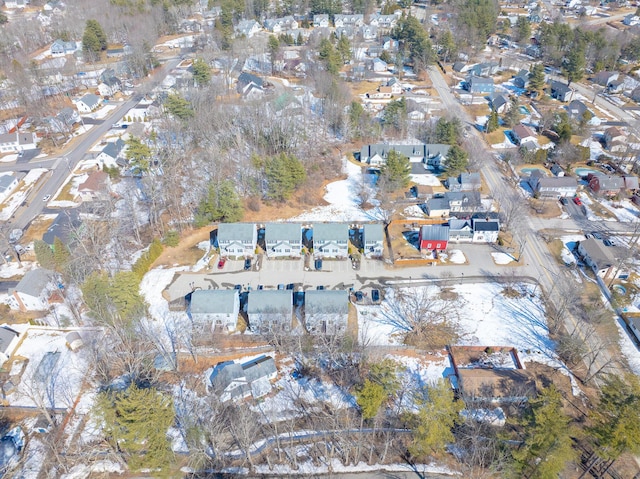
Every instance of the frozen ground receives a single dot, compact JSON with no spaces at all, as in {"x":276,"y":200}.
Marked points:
{"x":502,"y":258}
{"x":342,"y":197}
{"x":427,"y":179}
{"x":16,"y":199}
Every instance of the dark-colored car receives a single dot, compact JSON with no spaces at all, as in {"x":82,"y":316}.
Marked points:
{"x":238,"y":287}
{"x":564,"y":201}
{"x":221,"y":263}
{"x":375,"y":295}
{"x":261,"y":286}
{"x":607,"y":243}
{"x":318,"y":264}
{"x":281,"y":286}
{"x":597,"y":235}
{"x":247,"y":264}
{"x":320,"y":288}
{"x":290,"y":286}
{"x":359,"y":296}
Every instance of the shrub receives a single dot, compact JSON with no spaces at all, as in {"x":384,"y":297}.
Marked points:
{"x":172,"y":238}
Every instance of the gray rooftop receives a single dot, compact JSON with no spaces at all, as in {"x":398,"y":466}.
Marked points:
{"x":270,"y":302}
{"x":476,"y":79}
{"x":326,"y":302}
{"x":373,"y":232}
{"x":416,"y":150}
{"x":485,"y":225}
{"x":34,"y":281}
{"x":90,"y":99}
{"x":457,"y":225}
{"x":224,"y":374}
{"x":236,"y":232}
{"x":438,"y":204}
{"x":330,"y":232}
{"x":113,"y":148}
{"x":435,"y":232}
{"x":6,"y":181}
{"x":258,"y":368}
{"x":598,"y":252}
{"x":274,"y":232}
{"x":6,"y":336}
{"x":215,"y":301}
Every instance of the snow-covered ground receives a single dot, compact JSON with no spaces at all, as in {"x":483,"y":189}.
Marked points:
{"x":343,"y":199}
{"x":16,"y":199}
{"x":502,"y":258}
{"x":624,"y":210}
{"x":426,"y":179}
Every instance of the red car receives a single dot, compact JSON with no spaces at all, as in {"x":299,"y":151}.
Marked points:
{"x":221,"y":263}
{"x":577,"y":201}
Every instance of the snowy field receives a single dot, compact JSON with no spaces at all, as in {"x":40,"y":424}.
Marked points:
{"x":342,"y":196}
{"x":52,"y":375}
{"x":16,"y":199}
{"x":427,"y":179}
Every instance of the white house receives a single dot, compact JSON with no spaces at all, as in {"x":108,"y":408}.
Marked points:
{"x":61,"y":48}
{"x":356,"y":20}
{"x":597,"y":256}
{"x":237,"y":239}
{"x":331,"y":240}
{"x":485,"y":230}
{"x":32,"y":292}
{"x":373,"y":240}
{"x":248,"y":28}
{"x":111,"y":152}
{"x":283,"y":239}
{"x":17,"y":142}
{"x":326,"y":311}
{"x":109,"y":86}
{"x":96,"y":187}
{"x":87,"y":103}
{"x":321,"y":20}
{"x":215,"y":309}
{"x":270,"y":310}
{"x":8,"y":183}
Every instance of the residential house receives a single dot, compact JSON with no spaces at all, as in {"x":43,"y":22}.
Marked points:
{"x":460,"y":67}
{"x":577,"y":110}
{"x":604,"y":78}
{"x":460,"y":231}
{"x":18,"y":142}
{"x":249,"y":85}
{"x":231,"y":381}
{"x":521,"y":80}
{"x":552,"y":187}
{"x":215,"y":309}
{"x":631,"y":183}
{"x":326,"y":311}
{"x":247,"y":28}
{"x":8,"y":183}
{"x":283,"y":239}
{"x":331,"y":240}
{"x":111,"y":153}
{"x":499,"y":102}
{"x":631,"y":20}
{"x":64,"y":227}
{"x":597,"y":256}
{"x":634,"y":325}
{"x":68,"y":116}
{"x":373,"y":240}
{"x":464,"y":182}
{"x":13,"y":4}
{"x":477,"y":84}
{"x":484,"y":69}
{"x":605,"y":185}
{"x":270,"y":310}
{"x":424,"y":192}
{"x":556,"y":170}
{"x":119,"y":52}
{"x":62,"y":48}
{"x":427,"y":154}
{"x":523,"y":134}
{"x":635,"y":95}
{"x":237,"y":239}
{"x":378,"y":65}
{"x":394,"y":84}
{"x":55,"y":6}
{"x":615,"y":139}
{"x":383,"y":21}
{"x":433,"y":237}
{"x":560,"y":91}
{"x":463,"y":201}
{"x":96,"y":187}
{"x":277,"y":25}
{"x":109,"y":86}
{"x":356,"y":20}
{"x":485,"y":230}
{"x":33,"y":290}
{"x":321,"y":20}
{"x":534,"y":51}
{"x":367,"y":32}
{"x":9,"y":339}
{"x":437,"y":207}
{"x":88,"y":103}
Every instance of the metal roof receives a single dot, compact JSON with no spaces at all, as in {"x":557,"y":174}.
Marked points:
{"x":326,"y":302}
{"x":434,"y":232}
{"x":236,"y":232}
{"x":330,"y":232}
{"x":274,"y":232}
{"x":373,"y":232}
{"x":270,"y":302}
{"x":215,"y":301}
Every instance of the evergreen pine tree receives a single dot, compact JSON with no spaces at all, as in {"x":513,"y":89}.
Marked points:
{"x":44,"y":254}
{"x":493,"y":123}
{"x":201,"y":72}
{"x":457,"y":161}
{"x":396,"y":172}
{"x":536,"y":78}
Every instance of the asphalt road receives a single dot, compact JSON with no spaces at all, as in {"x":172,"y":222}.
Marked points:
{"x":61,"y":167}
{"x":539,"y":262}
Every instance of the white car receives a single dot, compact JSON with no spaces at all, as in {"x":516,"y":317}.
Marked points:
{"x":46,"y":197}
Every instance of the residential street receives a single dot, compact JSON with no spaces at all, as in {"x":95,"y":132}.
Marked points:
{"x":535,"y":251}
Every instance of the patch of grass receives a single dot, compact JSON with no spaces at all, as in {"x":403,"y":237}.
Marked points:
{"x":495,"y":136}
{"x":555,"y":247}
{"x":65,"y":193}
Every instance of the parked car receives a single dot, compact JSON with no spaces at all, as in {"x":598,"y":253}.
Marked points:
{"x":318,"y":264}
{"x":290,"y":286}
{"x":238,"y":287}
{"x":261,"y":286}
{"x":359,"y":296}
{"x":607,"y":243}
{"x":577,"y":201}
{"x":281,"y":286}
{"x":375,"y":295}
{"x":564,"y":201}
{"x":222,"y":262}
{"x":320,"y":288}
{"x":597,"y":235}
{"x":247,"y":264}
